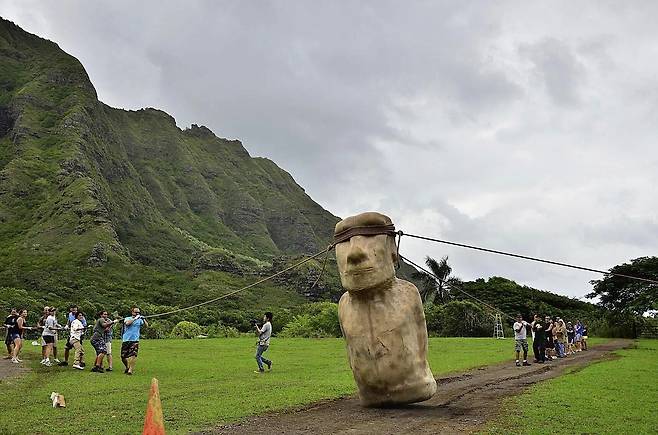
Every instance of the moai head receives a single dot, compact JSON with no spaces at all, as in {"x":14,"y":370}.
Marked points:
{"x":365,"y":251}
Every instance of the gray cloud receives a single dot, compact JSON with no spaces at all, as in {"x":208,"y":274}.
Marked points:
{"x":508,"y":125}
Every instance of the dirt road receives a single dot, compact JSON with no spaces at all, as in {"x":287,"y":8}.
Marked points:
{"x":10,"y":370}
{"x":463,"y":403}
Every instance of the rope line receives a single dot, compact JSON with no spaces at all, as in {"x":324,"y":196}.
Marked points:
{"x":491,"y":307}
{"x":260,"y":281}
{"x":525,"y":257}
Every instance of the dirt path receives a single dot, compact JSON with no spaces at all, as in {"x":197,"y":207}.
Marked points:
{"x":463,"y":403}
{"x":10,"y":370}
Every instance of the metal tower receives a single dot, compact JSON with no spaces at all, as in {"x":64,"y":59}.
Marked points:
{"x":498,"y":327}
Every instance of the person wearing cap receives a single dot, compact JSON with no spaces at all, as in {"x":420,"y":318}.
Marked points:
{"x":381,"y":316}
{"x":130,"y":339}
{"x":520,"y":339}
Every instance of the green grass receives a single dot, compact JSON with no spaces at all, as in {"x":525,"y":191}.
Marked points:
{"x":204,"y":383}
{"x":616,"y":396}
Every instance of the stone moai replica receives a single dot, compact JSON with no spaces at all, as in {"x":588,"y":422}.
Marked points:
{"x":381,"y":316}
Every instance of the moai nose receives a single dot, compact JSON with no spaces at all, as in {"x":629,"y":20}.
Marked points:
{"x":356,"y":254}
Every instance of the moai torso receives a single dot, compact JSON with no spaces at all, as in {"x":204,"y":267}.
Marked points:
{"x":387,"y":344}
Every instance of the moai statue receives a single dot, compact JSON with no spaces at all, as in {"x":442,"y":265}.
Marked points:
{"x":381,"y":317}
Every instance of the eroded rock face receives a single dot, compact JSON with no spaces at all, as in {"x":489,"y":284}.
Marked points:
{"x":381,"y":317}
{"x":6,"y":121}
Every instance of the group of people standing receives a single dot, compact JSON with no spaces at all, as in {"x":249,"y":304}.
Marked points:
{"x":552,"y":338}
{"x":76,"y":327}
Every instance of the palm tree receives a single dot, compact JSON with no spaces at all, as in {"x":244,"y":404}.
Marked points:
{"x":437,"y":288}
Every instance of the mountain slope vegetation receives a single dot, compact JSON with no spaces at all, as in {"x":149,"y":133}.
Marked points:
{"x":100,"y":203}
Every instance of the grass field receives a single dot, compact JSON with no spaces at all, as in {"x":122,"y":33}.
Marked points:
{"x":203,"y":383}
{"x":616,"y":396}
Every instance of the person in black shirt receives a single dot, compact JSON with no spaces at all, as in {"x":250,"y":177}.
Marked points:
{"x":10,"y":324}
{"x":548,"y":342}
{"x":571,"y":335}
{"x":538,"y":343}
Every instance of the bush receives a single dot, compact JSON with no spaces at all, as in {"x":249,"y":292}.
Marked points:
{"x":222,"y":331}
{"x":434,"y":319}
{"x":319,"y":319}
{"x":156,"y":329}
{"x":186,"y":329}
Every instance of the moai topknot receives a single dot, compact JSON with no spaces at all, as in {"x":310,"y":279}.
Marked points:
{"x":381,"y":316}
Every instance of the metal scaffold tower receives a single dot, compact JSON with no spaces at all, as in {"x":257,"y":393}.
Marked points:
{"x":498,"y":327}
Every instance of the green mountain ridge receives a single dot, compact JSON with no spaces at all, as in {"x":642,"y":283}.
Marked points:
{"x":84,"y":185}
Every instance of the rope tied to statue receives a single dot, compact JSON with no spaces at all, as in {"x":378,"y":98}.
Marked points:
{"x":370,"y":230}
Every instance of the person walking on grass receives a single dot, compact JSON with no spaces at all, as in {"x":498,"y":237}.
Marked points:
{"x":98,"y":340}
{"x":77,"y":330}
{"x":10,"y":324}
{"x":49,"y":336}
{"x":263,"y":344}
{"x":17,"y":333}
{"x":538,"y":342}
{"x":130,"y":339}
{"x":520,"y":340}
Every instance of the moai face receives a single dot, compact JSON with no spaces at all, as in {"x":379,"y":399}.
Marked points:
{"x":366,"y":260}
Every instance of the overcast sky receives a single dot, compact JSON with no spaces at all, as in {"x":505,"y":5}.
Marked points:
{"x":523,"y":127}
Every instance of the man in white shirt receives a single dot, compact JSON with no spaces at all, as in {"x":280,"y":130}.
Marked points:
{"x":77,"y":329}
{"x":264,"y":335}
{"x":520,"y":340}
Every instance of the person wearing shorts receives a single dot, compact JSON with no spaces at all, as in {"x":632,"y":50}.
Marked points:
{"x":584,"y":338}
{"x":16,"y":335}
{"x":98,"y":340}
{"x":40,"y":325}
{"x":520,"y":340}
{"x":49,"y":335}
{"x":10,"y":323}
{"x":130,"y":339}
{"x":107,"y":336}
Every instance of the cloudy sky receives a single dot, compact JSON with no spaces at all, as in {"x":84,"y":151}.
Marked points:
{"x":523,"y":127}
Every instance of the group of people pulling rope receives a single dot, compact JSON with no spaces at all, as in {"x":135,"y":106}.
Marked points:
{"x":76,"y":327}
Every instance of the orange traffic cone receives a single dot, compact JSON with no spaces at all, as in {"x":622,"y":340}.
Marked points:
{"x":154,"y":421}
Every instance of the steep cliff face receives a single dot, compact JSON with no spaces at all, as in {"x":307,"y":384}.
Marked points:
{"x":84,"y":186}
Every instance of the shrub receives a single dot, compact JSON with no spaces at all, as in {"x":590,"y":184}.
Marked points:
{"x":186,"y":329}
{"x":319,"y":319}
{"x":156,"y":329}
{"x":434,"y":319}
{"x":222,"y":331}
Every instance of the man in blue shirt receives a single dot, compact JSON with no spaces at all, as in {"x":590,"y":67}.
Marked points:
{"x":130,"y":339}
